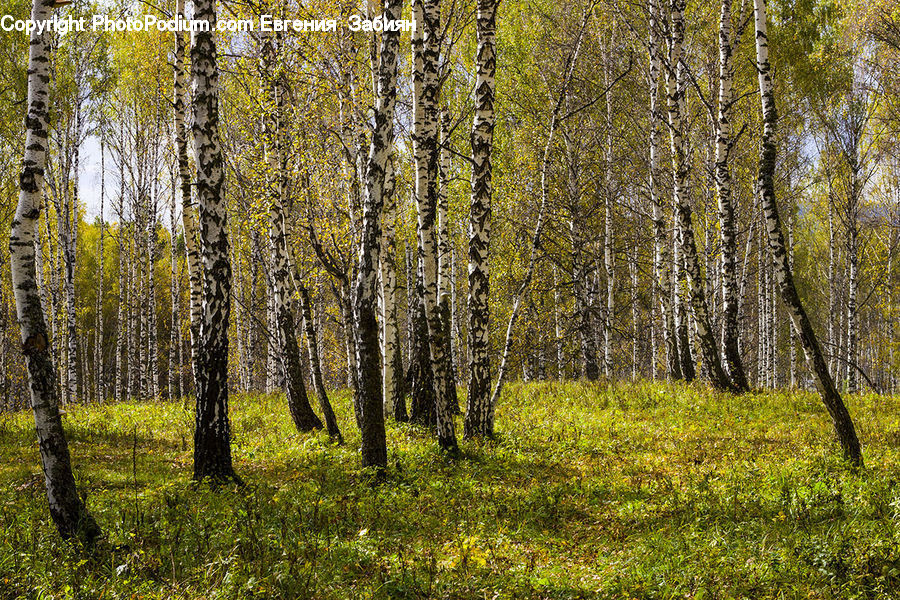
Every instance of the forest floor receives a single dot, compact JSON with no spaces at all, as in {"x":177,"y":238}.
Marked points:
{"x":589,"y":491}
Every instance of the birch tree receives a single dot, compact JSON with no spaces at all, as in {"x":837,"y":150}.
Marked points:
{"x":315,"y":366}
{"x":282,"y":280}
{"x":729,"y":38}
{"x":212,"y":436}
{"x":369,"y":385}
{"x":67,"y":509}
{"x":188,"y":208}
{"x":662,"y":265}
{"x":391,"y":361}
{"x":99,"y":371}
{"x":840,"y":417}
{"x":675,"y":100}
{"x":444,"y":257}
{"x":425,"y":139}
{"x":479,"y":419}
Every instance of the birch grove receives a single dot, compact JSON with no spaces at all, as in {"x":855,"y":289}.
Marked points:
{"x":401,"y":232}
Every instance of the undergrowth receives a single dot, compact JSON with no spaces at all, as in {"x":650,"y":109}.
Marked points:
{"x":588,"y":491}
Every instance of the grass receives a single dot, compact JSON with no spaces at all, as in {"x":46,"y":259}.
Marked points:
{"x":589,"y":491}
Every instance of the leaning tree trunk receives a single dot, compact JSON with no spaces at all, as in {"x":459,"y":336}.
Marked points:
{"x":675,"y":92}
{"x":212,"y":436}
{"x":840,"y":417}
{"x":479,"y":420}
{"x":427,"y":157}
{"x":368,"y":362}
{"x":281,"y":278}
{"x":728,"y":42}
{"x":188,"y":208}
{"x":66,"y":507}
{"x":315,"y":366}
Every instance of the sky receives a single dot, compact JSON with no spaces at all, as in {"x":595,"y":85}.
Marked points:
{"x":89,"y":180}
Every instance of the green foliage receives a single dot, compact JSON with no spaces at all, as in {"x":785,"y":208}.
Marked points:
{"x":626,"y":491}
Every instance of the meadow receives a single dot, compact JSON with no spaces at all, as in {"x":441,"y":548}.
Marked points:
{"x":644,"y":490}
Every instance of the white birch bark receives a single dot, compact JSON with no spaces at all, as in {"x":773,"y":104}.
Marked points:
{"x":188,"y":207}
{"x":843,"y":424}
{"x":391,"y":361}
{"x":728,"y":43}
{"x":99,"y":371}
{"x":662,"y":265}
{"x":315,"y":366}
{"x":212,"y":437}
{"x":66,"y":507}
{"x":427,"y":155}
{"x":608,"y":257}
{"x":282,"y":279}
{"x":675,"y":96}
{"x":369,"y":385}
{"x":479,"y":420}
{"x":444,"y":258}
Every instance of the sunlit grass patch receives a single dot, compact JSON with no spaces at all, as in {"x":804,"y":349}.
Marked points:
{"x":589,"y":490}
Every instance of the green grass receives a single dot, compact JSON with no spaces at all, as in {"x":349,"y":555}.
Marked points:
{"x":627,"y":491}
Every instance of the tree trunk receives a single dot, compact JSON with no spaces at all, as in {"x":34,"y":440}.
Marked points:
{"x":421,"y":376}
{"x":133,"y":350}
{"x":676,"y":89}
{"x":368,"y":360}
{"x":121,"y":362}
{"x":832,"y":344}
{"x":682,"y":335}
{"x":608,"y":256}
{"x":853,"y":274}
{"x":425,"y":139}
{"x":392,"y":360}
{"x":67,"y":225}
{"x":792,"y":337}
{"x":188,"y":208}
{"x":212,"y":436}
{"x":728,"y":43}
{"x":840,"y":417}
{"x":582,"y":273}
{"x":315,"y":366}
{"x":150,"y":308}
{"x":444,"y":258}
{"x":479,"y":420}
{"x":273,"y":345}
{"x":282,"y":280}
{"x":66,"y":507}
{"x":635,"y":325}
{"x":662,"y":266}
{"x":99,"y":372}
{"x":175,"y":321}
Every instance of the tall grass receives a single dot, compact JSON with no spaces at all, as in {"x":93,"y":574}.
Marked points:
{"x":589,"y":491}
